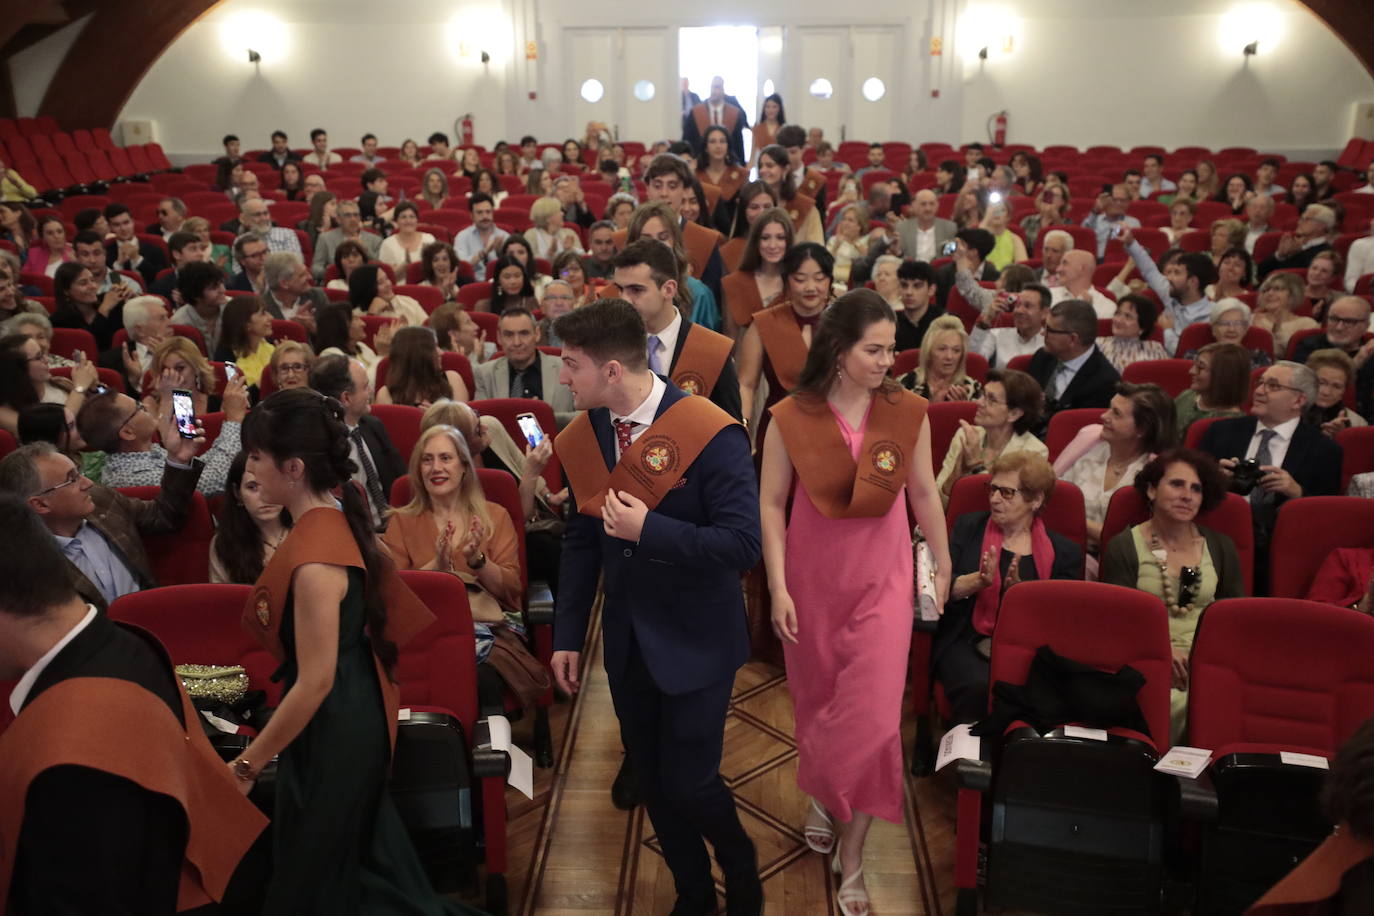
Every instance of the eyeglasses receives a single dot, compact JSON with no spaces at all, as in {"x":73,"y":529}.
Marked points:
{"x":1231,"y":324}
{"x":1050,"y":330}
{"x":137,"y":410}
{"x":73,"y":476}
{"x":1346,"y":322}
{"x":1271,"y":385}
{"x":1005,"y":492}
{"x":291,"y":367}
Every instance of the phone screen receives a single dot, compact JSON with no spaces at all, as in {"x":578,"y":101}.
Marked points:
{"x":534,"y":433}
{"x":185,"y":412}
{"x":230,"y":370}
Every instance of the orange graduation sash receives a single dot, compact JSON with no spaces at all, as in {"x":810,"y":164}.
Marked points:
{"x":696,"y":238}
{"x":732,"y":252}
{"x":701,"y":114}
{"x":712,"y":194}
{"x":1317,"y":878}
{"x":703,"y":356}
{"x":323,"y":536}
{"x":649,"y":468}
{"x":783,"y":342}
{"x":839,"y":486}
{"x":741,"y":295}
{"x":799,"y":208}
{"x":731,"y":180}
{"x":121,"y":728}
{"x":811,"y":184}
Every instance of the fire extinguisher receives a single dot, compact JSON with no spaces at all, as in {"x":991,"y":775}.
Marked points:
{"x":465,"y":129}
{"x":997,"y":129}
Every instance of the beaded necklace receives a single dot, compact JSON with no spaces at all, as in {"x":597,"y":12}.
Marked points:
{"x":1160,"y":553}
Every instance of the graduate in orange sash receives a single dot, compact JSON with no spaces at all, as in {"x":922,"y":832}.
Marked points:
{"x":331,"y":608}
{"x":776,"y":343}
{"x":758,"y":284}
{"x":1337,"y":879}
{"x":667,"y":518}
{"x":754,"y":198}
{"x":775,"y":170}
{"x":718,"y":168}
{"x":851,"y":450}
{"x":697,"y":359}
{"x":111,"y":798}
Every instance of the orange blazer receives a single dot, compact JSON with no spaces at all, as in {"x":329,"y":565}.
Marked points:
{"x":411,"y":540}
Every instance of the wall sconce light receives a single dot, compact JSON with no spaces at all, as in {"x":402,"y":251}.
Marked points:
{"x":983,"y":53}
{"x":1251,"y":49}
{"x":253,"y":56}
{"x":486,"y":58}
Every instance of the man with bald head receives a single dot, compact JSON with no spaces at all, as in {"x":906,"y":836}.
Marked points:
{"x":924,"y":235}
{"x":1109,"y":217}
{"x":1074,"y":280}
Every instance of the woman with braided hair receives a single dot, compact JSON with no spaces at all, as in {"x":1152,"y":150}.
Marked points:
{"x":331,"y":608}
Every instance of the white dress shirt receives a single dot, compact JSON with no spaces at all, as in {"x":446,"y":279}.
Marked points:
{"x":667,"y":342}
{"x":925,"y":244}
{"x":20,"y":693}
{"x":999,"y":346}
{"x":1278,"y":446}
{"x":717,"y":112}
{"x":643,"y":415}
{"x":1103,"y":306}
{"x":1359,"y":261}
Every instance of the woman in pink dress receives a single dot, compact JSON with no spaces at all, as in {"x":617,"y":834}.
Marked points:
{"x":846,"y":446}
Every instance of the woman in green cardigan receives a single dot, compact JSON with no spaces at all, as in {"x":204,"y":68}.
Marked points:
{"x":1172,"y":557}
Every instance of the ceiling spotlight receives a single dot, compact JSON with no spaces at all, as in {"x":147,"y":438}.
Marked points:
{"x":253,"y":56}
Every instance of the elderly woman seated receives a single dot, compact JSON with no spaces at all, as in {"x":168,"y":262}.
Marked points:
{"x":290,"y":364}
{"x":1132,"y":325}
{"x":1335,"y":373}
{"x":942,"y":374}
{"x":449,"y":526}
{"x":850,"y":241}
{"x":1008,"y":410}
{"x":990,"y":552}
{"x":1230,"y":320}
{"x":1175,"y":559}
{"x":548,"y":236}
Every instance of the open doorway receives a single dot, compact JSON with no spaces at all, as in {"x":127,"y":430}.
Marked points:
{"x":730,"y":52}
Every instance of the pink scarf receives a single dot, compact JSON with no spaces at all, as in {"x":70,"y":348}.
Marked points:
{"x":989,"y":600}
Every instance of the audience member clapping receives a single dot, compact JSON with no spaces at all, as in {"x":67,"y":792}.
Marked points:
{"x":439,"y":266}
{"x":1335,"y":373}
{"x":80,"y":305}
{"x":26,"y":379}
{"x":1008,"y":412}
{"x":457,"y":332}
{"x":248,"y":531}
{"x":415,"y":375}
{"x":1132,"y":326}
{"x":400,"y":249}
{"x":942,"y":374}
{"x":1138,"y":424}
{"x":449,"y":526}
{"x":992,"y":551}
{"x":1172,"y":557}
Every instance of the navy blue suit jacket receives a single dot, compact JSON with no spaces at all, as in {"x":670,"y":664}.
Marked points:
{"x":677,"y":591}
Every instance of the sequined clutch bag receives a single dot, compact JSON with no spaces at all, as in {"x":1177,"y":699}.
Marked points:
{"x":221,"y":683}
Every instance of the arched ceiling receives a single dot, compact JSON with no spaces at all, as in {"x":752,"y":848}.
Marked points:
{"x":125,"y":37}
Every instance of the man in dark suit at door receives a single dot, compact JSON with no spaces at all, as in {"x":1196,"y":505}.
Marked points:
{"x":667,"y":512}
{"x":721,"y":109}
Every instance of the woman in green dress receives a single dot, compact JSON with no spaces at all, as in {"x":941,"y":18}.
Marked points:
{"x":1172,"y":557}
{"x":332,"y":609}
{"x":1220,"y":382}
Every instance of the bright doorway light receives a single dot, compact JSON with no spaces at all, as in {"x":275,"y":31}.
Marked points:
{"x":730,"y":52}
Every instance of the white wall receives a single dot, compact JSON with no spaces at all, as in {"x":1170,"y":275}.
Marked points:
{"x":1081,"y":71}
{"x":32,"y":69}
{"x":1159,"y":73}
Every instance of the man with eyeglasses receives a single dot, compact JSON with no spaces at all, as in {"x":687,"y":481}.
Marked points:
{"x":1347,"y":322}
{"x":101,"y":530}
{"x":1295,"y":459}
{"x":1109,"y":216}
{"x":171,"y":213}
{"x":250,"y":252}
{"x":255,"y":217}
{"x":350,"y":228}
{"x":1070,"y":369}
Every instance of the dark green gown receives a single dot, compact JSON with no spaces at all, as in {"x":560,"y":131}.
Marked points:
{"x":340,"y":846}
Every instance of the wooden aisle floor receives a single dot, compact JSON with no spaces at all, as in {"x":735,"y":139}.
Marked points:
{"x":573,"y":854}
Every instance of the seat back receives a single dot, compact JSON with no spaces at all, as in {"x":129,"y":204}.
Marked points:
{"x":1065,"y":424}
{"x":1357,"y":448}
{"x":402,"y":426}
{"x":1128,"y":508}
{"x":1169,"y":374}
{"x":1063,"y":513}
{"x":1273,"y":674}
{"x":1196,"y":336}
{"x":1307,"y":531}
{"x":438,"y":667}
{"x":1103,"y":626}
{"x":179,"y":557}
{"x":500,"y":487}
{"x":944,"y":420}
{"x":66,"y":341}
{"x":200,"y":625}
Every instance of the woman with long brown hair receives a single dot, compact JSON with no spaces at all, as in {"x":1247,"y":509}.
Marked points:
{"x":719,"y":169}
{"x":751,"y":202}
{"x":841,"y":573}
{"x":415,"y":375}
{"x":758,"y":283}
{"x":775,"y":170}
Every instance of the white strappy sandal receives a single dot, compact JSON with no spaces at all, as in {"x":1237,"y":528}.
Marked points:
{"x":850,"y":895}
{"x":820,"y":838}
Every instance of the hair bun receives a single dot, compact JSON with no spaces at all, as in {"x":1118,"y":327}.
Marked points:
{"x":332,"y":408}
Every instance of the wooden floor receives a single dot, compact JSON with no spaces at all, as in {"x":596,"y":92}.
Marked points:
{"x":572,"y":852}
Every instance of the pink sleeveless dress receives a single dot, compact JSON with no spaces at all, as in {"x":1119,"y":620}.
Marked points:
{"x":851,"y":581}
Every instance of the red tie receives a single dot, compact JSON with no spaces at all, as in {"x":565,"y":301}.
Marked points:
{"x":623,"y":428}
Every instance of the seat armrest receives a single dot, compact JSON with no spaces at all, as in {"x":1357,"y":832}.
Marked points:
{"x":487,"y":762}
{"x":974,"y":774}
{"x":1197,"y":799}
{"x":539,"y":604}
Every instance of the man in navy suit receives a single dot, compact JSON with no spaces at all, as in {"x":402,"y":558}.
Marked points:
{"x":1295,"y":458}
{"x":673,"y":623}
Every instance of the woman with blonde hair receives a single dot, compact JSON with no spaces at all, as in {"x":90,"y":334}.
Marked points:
{"x":1280,"y":297}
{"x":850,"y":241}
{"x":409,"y":152}
{"x":415,"y":374}
{"x":942,"y":374}
{"x":190,"y":370}
{"x":221,"y":255}
{"x":434,"y":188}
{"x":549,"y":236}
{"x":1226,"y":234}
{"x":449,"y":526}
